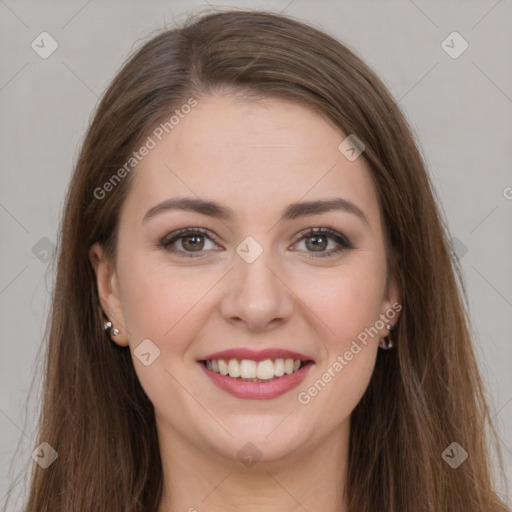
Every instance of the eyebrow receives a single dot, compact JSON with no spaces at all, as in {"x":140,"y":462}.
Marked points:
{"x":291,"y":212}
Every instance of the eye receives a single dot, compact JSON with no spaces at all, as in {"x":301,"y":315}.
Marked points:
{"x":188,"y":242}
{"x":316,"y":240}
{"x":193,"y":242}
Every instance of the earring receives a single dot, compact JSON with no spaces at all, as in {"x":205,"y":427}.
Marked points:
{"x":108,"y":325}
{"x":387,"y":343}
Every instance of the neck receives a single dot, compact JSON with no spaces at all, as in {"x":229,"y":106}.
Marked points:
{"x":196,"y":480}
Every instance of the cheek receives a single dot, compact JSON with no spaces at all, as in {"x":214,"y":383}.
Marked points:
{"x":347,"y":306}
{"x":167,"y":306}
{"x":347,"y":301}
{"x":158,"y":300}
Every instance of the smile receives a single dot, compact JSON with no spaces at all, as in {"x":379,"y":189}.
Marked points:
{"x":256,"y":380}
{"x":255,"y":371}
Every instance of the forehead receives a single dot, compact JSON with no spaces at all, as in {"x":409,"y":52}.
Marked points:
{"x":250,"y":155}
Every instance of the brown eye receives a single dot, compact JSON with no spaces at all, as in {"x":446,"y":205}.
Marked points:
{"x":188,"y":241}
{"x":192,"y":242}
{"x":318,"y":240}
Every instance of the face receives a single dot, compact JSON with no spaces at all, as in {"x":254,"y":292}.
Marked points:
{"x":262,"y":282}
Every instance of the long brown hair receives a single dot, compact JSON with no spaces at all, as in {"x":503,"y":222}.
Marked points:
{"x":423,"y":395}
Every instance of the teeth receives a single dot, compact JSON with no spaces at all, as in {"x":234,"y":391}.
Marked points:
{"x":279,"y":367}
{"x":288,"y":366}
{"x":265,"y":370}
{"x":248,"y":369}
{"x":223,"y":367}
{"x":234,"y":368}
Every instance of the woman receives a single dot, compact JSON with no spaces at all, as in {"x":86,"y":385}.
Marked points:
{"x":255,"y":305}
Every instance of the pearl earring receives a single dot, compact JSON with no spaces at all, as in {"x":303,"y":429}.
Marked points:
{"x":387,"y":343}
{"x":108,"y":325}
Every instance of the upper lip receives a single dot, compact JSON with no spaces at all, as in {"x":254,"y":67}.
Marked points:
{"x":259,"y":355}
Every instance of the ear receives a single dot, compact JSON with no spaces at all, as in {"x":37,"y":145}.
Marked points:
{"x":108,"y":291}
{"x":392,"y":303}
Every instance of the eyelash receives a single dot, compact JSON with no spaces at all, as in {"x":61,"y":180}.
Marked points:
{"x":344,"y":242}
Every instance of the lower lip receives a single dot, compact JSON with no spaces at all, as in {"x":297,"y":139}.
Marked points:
{"x":257,"y":390}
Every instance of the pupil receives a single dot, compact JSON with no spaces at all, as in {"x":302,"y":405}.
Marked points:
{"x":195,"y":245}
{"x":316,"y":244}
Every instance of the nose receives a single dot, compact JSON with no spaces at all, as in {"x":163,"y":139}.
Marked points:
{"x":256,"y":295}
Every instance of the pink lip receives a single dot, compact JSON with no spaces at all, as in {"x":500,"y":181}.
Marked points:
{"x":261,"y":355}
{"x":257,"y":390}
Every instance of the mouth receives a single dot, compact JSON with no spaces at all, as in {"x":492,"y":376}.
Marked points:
{"x":257,"y":380}
{"x":247,"y":370}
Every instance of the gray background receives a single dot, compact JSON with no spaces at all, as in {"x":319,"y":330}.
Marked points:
{"x":460,"y":109}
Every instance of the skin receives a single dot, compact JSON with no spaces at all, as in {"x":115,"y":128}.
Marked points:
{"x":256,"y":158}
